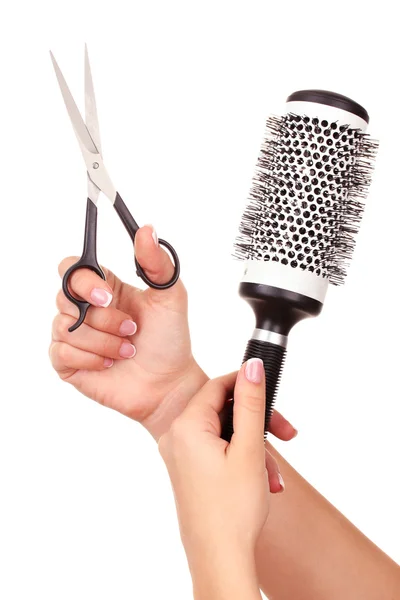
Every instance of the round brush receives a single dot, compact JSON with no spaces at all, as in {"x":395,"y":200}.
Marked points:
{"x":298,"y":231}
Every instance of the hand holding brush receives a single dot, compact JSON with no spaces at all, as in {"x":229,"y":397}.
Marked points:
{"x":298,"y":230}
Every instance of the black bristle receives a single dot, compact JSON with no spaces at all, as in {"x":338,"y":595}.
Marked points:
{"x":307,"y":196}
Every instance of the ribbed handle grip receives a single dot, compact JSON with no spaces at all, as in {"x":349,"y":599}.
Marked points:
{"x":273,"y":357}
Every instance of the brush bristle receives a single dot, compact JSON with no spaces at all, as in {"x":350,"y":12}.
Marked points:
{"x":307,"y":197}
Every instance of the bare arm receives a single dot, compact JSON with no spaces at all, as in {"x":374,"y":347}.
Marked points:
{"x":309,"y":551}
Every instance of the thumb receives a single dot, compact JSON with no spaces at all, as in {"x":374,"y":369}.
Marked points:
{"x":249,"y":407}
{"x":151,"y":257}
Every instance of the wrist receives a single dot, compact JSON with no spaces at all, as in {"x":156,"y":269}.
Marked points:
{"x":223,"y":572}
{"x":176,"y":400}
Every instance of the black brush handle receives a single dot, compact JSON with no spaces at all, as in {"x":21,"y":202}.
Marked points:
{"x":273,"y":357}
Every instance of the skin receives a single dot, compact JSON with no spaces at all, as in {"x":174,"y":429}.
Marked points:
{"x":163,"y":374}
{"x":307,"y":549}
{"x":154,"y":386}
{"x":221,"y":490}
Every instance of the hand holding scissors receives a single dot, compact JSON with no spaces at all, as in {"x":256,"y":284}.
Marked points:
{"x":88,"y":135}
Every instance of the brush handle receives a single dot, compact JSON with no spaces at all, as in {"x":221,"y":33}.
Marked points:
{"x":273,"y":357}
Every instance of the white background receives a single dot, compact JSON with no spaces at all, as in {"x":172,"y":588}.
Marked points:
{"x":183,"y":90}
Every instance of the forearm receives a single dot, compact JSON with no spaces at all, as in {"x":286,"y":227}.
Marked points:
{"x":308,"y":550}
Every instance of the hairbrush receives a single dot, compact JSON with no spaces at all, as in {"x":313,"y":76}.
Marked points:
{"x":298,"y":230}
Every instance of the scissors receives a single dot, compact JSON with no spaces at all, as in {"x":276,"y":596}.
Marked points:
{"x":98,"y":180}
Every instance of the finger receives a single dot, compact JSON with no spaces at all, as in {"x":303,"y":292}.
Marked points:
{"x":109,"y":320}
{"x":249,"y":407}
{"x":66,"y":358}
{"x":214,"y":394}
{"x":202,"y":413}
{"x":91,"y":340}
{"x":87,"y":285}
{"x":281,"y":428}
{"x":152,"y":258}
{"x":276,"y":484}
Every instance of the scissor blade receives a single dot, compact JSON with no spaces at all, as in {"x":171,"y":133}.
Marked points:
{"x":77,"y":122}
{"x":92,"y":121}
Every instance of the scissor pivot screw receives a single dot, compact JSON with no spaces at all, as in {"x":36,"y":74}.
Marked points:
{"x":95,"y":165}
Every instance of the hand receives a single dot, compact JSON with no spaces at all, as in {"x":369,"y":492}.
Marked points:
{"x":155,"y":385}
{"x":221,"y":490}
{"x":133,"y":352}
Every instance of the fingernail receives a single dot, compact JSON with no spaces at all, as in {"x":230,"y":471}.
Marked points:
{"x":281,"y":482}
{"x":108,"y":362}
{"x":254,"y":370}
{"x":100,"y":297}
{"x":127,"y":350}
{"x":296,"y":432}
{"x":128,"y":327}
{"x":154,"y":234}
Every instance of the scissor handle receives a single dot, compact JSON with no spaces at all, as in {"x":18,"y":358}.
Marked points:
{"x":132,"y":227}
{"x":88,"y":260}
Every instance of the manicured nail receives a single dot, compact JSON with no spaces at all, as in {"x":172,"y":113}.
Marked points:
{"x":281,"y":482}
{"x":108,"y":362}
{"x":254,"y":370}
{"x":154,"y":234}
{"x":128,"y":327}
{"x":127,"y":350}
{"x":100,"y":297}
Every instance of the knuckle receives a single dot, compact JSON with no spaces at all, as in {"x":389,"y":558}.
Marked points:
{"x":65,"y":263}
{"x":62,"y":352}
{"x":213,"y":386}
{"x":78,"y":280}
{"x":52,"y":351}
{"x":59,"y":299}
{"x":109,"y":346}
{"x":60,"y":326}
{"x":62,"y":303}
{"x":58,"y":353}
{"x":253,"y":403}
{"x":108,"y":320}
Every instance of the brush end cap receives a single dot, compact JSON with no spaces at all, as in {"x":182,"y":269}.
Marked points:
{"x":330,"y":99}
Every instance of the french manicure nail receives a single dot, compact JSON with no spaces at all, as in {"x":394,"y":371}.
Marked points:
{"x":128,"y":327}
{"x":281,"y":482}
{"x":100,"y":297}
{"x":154,"y":235}
{"x":127,"y":350}
{"x":254,"y":370}
{"x":108,"y":362}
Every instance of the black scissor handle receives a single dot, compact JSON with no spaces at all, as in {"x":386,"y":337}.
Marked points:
{"x":88,"y":260}
{"x":175,"y":276}
{"x":82,"y":305}
{"x":132,"y":227}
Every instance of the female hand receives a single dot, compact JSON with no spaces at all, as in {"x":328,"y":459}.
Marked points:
{"x":133,"y":352}
{"x":221,"y":490}
{"x":157,"y":382}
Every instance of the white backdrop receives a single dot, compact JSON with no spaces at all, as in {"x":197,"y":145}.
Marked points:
{"x":183,"y":90}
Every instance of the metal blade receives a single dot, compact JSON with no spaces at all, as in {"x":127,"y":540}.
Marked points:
{"x":78,"y":124}
{"x":92,"y":121}
{"x":93,"y":191}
